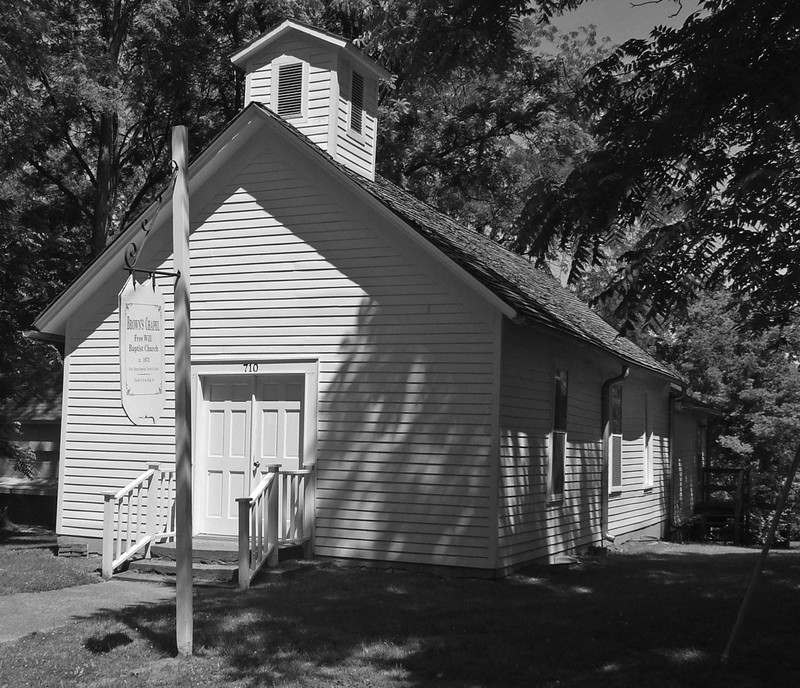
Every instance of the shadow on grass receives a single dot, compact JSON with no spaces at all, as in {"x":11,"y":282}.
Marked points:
{"x":655,"y":620}
{"x":108,"y":642}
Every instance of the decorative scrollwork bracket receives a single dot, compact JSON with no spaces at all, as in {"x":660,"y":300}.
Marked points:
{"x":134,"y":249}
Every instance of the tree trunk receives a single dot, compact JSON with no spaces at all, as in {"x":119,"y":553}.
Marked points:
{"x":105,"y":166}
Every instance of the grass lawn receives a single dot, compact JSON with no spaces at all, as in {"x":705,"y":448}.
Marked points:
{"x":36,"y":569}
{"x":655,"y":616}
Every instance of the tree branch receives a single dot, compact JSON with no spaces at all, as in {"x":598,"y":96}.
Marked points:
{"x":60,"y":186}
{"x":65,"y":131}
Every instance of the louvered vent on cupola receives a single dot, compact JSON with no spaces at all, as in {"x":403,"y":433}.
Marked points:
{"x":290,"y":90}
{"x":357,"y":103}
{"x":322,"y":85}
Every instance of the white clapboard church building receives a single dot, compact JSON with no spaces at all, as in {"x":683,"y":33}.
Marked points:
{"x":379,"y":382}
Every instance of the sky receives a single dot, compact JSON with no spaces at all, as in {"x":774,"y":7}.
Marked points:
{"x":624,"y":19}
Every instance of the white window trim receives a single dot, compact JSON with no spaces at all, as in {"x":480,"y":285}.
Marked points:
{"x":554,"y":498}
{"x":354,"y":133}
{"x":277,"y":63}
{"x":309,"y":369}
{"x":615,"y":488}
{"x":648,"y":468}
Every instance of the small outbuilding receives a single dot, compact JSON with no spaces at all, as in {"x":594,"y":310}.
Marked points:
{"x":454,"y":405}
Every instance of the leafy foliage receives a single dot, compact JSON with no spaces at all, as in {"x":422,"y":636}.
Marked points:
{"x":89,"y":90}
{"x":699,"y":134}
{"x":472,"y":141}
{"x":753,"y":380}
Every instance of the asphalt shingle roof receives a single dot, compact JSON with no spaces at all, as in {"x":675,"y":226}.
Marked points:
{"x":533,"y":292}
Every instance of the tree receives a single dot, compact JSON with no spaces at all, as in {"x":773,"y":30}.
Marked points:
{"x":698,"y":138}
{"x":472,"y":140}
{"x":89,"y":90}
{"x":753,"y":380}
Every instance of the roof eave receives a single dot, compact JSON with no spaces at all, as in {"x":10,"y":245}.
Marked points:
{"x":375,"y":203}
{"x":52,"y":320}
{"x":526,"y":319}
{"x":243,"y":56}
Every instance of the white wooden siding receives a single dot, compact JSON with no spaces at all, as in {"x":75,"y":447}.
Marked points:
{"x":530,"y":528}
{"x":327,"y":121}
{"x":281,"y":271}
{"x":357,"y":151}
{"x":321,"y":61}
{"x":103,"y":449}
{"x":636,"y":506}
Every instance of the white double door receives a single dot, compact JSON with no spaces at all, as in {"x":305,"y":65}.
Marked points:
{"x":249,"y":423}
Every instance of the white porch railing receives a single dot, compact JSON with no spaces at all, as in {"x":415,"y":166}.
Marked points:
{"x":280,"y":510}
{"x":138,"y":515}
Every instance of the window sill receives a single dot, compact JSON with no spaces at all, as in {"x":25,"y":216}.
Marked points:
{"x":356,"y":135}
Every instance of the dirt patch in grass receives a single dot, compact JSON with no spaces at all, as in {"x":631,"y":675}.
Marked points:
{"x":655,"y":616}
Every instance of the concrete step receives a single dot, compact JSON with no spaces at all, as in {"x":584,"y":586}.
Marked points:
{"x":221,"y":551}
{"x":220,"y":572}
{"x":204,"y":550}
{"x":163,"y":571}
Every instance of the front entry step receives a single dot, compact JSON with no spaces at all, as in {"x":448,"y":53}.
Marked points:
{"x":165,"y":570}
{"x":214,"y":562}
{"x":205,"y":550}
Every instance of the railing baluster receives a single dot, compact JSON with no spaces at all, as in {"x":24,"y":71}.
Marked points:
{"x":137,"y":532}
{"x":244,"y":541}
{"x":273,"y":516}
{"x":136,"y":516}
{"x":258,"y":517}
{"x":108,"y":534}
{"x":279,"y":510}
{"x":301,"y":506}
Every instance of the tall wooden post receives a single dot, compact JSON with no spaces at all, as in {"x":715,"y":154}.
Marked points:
{"x":183,"y":396}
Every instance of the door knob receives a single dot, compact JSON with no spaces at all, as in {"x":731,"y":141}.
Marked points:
{"x":256,"y":464}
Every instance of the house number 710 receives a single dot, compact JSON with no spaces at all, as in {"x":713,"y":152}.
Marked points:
{"x":250,"y":367}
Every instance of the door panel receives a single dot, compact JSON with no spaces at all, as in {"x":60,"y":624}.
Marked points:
{"x":251,"y":422}
{"x":278,"y":414}
{"x":227,"y":457}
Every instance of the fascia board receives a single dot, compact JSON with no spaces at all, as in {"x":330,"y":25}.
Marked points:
{"x":241,"y":57}
{"x":246,"y":54}
{"x":582,"y":340}
{"x":322,"y":161}
{"x":53,"y":319}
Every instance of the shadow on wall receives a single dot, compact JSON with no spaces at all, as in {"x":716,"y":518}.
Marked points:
{"x":404,"y":442}
{"x":531,"y":527}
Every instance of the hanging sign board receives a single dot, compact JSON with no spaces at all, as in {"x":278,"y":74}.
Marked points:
{"x":141,"y":351}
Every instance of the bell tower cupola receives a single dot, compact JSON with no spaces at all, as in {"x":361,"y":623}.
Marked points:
{"x":322,"y":85}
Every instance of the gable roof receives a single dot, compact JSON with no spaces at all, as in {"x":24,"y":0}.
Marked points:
{"x":241,"y":57}
{"x":530,"y":293}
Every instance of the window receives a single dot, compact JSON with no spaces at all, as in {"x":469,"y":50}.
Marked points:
{"x":357,"y":102}
{"x":615,"y":438}
{"x":558,"y":438}
{"x":647,"y":459}
{"x":700,"y":444}
{"x":290,"y":90}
